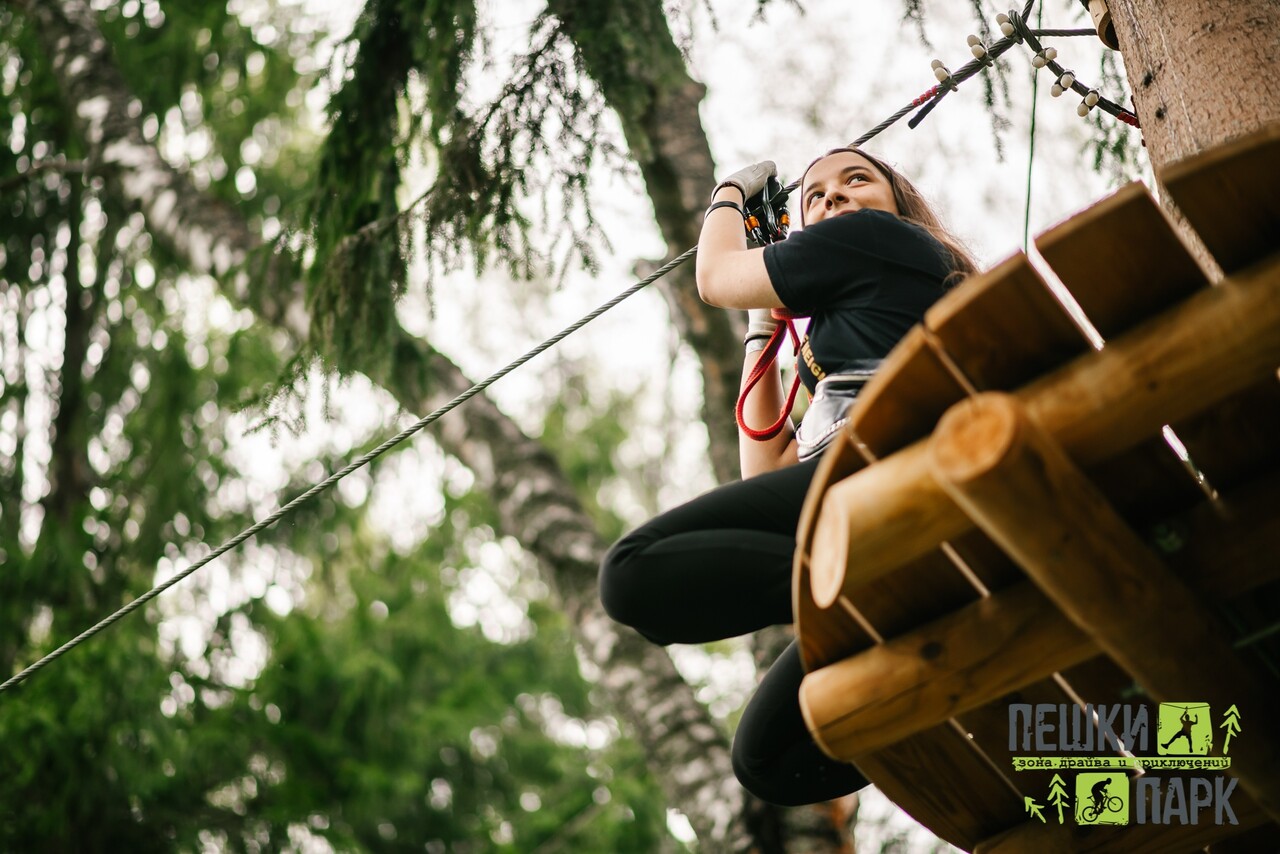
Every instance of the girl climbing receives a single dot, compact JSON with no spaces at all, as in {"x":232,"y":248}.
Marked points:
{"x":871,"y":259}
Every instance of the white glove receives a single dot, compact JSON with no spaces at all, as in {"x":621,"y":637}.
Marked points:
{"x":760,"y":323}
{"x":751,"y":179}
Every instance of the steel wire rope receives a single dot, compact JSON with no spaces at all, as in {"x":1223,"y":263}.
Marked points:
{"x":358,"y":463}
{"x":929,"y":100}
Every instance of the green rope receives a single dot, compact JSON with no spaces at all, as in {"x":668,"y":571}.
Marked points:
{"x":1031,"y":146}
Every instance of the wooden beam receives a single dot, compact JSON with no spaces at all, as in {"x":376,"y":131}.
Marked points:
{"x":948,"y":667}
{"x":1231,"y":195}
{"x":821,"y":634}
{"x":1022,"y":489}
{"x":943,"y":783}
{"x":958,"y":663}
{"x":1121,"y":260}
{"x":1228,"y":548}
{"x":1217,"y":342}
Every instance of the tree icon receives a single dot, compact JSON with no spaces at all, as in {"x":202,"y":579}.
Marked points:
{"x":1231,"y":723}
{"x":1058,"y":794}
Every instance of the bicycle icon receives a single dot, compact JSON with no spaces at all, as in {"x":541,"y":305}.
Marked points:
{"x":1102,"y":798}
{"x":1109,"y":804}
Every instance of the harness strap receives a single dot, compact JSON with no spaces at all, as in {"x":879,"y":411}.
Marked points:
{"x":766,"y":359}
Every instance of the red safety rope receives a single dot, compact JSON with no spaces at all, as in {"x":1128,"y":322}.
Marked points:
{"x":767,"y":357}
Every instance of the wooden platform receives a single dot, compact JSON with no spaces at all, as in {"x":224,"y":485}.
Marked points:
{"x":1011,"y":517}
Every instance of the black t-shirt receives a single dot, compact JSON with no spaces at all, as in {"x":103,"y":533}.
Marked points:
{"x":864,"y":279}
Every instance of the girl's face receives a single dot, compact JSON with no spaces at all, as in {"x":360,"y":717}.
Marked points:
{"x":842,"y":183}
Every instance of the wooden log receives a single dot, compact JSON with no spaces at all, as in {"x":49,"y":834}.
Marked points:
{"x":942,"y":669}
{"x":822,"y":634}
{"x":888,"y":514}
{"x":1216,"y":343}
{"x":1023,"y":490}
{"x":953,"y":665}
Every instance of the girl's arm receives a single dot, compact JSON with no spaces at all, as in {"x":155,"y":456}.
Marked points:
{"x":729,"y":274}
{"x":761,"y":408}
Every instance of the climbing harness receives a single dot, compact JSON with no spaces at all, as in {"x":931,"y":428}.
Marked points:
{"x":1015,"y":31}
{"x":764,"y":362}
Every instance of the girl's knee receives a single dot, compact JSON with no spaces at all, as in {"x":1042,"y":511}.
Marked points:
{"x":623,"y":591}
{"x":763,"y":779}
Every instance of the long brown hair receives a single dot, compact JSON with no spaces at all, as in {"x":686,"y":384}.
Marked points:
{"x":912,"y":208}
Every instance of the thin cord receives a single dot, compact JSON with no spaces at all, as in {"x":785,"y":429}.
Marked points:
{"x":348,"y":469}
{"x":1031,"y":152}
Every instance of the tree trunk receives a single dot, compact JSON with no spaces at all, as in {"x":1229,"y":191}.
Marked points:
{"x":1202,"y":71}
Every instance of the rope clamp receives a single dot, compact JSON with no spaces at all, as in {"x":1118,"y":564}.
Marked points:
{"x":1064,"y":82}
{"x":765,"y":214}
{"x":1090,"y":101}
{"x":944,"y":76}
{"x":979,"y":51}
{"x":1043,"y":57}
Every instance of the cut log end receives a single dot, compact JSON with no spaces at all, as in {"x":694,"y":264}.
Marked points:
{"x":827,"y":556}
{"x":975,"y":437}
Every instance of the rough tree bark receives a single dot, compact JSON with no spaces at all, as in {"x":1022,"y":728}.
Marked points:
{"x":1201,"y":70}
{"x":535,"y":501}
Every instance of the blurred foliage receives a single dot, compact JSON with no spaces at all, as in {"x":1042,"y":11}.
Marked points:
{"x":357,"y":709}
{"x":405,"y":100}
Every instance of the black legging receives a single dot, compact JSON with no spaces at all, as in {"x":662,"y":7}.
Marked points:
{"x":718,"y":567}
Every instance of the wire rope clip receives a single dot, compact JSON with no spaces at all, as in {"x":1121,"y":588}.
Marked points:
{"x":944,"y":76}
{"x":1043,"y":57}
{"x":979,"y":51}
{"x":767,"y":220}
{"x":1090,"y":101}
{"x":1064,"y":82}
{"x":1006,"y":26}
